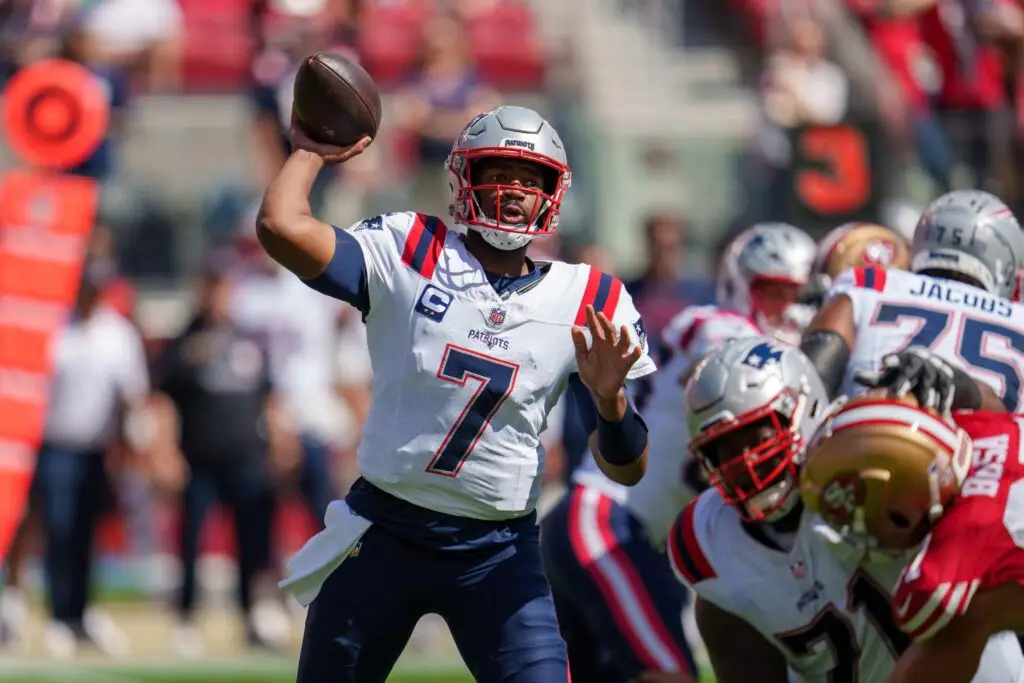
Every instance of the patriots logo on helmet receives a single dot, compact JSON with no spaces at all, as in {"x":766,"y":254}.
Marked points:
{"x":762,"y":355}
{"x":760,"y":241}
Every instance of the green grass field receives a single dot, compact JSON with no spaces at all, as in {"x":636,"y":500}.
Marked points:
{"x":228,"y":671}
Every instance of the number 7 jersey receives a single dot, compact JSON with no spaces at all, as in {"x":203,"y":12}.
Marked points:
{"x":464,"y":378}
{"x":978,"y":332}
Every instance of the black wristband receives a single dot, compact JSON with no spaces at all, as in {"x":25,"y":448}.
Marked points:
{"x":622,"y":442}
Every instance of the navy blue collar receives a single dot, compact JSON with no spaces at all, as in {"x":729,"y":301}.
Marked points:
{"x":506,"y":285}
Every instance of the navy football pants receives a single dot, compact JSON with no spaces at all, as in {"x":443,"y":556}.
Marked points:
{"x":619,"y":604}
{"x":496,"y":603}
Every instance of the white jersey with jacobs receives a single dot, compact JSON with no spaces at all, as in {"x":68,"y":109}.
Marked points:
{"x":666,"y":487}
{"x":980,"y":333}
{"x":829,"y":614}
{"x":464,"y":378}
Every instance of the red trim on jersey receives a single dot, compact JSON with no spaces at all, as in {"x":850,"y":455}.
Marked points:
{"x":685,"y":552}
{"x":613,"y":299}
{"x":688,"y":335}
{"x":869,"y":278}
{"x":602,"y":292}
{"x":423,"y":244}
{"x":602,"y":556}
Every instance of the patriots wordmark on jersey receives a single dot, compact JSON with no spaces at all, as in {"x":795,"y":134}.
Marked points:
{"x":672,"y":477}
{"x":978,"y":544}
{"x":464,"y":376}
{"x":980,"y":333}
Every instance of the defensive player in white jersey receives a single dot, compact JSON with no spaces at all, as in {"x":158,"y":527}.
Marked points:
{"x":472,"y":344}
{"x":779,"y":598}
{"x":617,"y":600}
{"x":966,"y":262}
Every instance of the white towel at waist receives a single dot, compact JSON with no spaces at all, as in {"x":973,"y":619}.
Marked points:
{"x":325,"y":552}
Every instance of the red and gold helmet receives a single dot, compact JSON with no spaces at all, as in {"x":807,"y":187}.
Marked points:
{"x":880,"y":471}
{"x":855,"y":245}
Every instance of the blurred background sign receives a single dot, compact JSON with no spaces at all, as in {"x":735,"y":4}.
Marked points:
{"x":835,"y":175}
{"x":54,"y":117}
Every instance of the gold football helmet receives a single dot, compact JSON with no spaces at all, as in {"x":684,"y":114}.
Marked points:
{"x":855,"y":245}
{"x":880,"y":471}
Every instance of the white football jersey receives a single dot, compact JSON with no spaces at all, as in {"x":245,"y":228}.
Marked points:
{"x":828,"y":614}
{"x":662,"y":493}
{"x":464,"y":378}
{"x":980,"y":333}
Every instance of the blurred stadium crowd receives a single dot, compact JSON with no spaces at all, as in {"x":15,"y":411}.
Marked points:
{"x":205,"y":405}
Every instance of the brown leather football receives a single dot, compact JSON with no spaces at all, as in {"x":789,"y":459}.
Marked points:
{"x":336,"y":101}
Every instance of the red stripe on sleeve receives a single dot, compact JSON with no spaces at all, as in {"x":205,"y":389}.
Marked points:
{"x":434,"y":250}
{"x":613,"y":299}
{"x":880,"y":276}
{"x":589,"y":295}
{"x":691,"y":546}
{"x":412,"y":240}
{"x":858,"y":277}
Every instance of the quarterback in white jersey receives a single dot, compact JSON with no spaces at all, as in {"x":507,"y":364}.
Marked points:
{"x":780,"y":597}
{"x":966,"y":262}
{"x":603,"y":543}
{"x":472,"y":344}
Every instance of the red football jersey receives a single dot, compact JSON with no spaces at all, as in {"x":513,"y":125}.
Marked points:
{"x":979,"y":542}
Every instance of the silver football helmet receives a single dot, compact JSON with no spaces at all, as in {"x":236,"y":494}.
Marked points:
{"x":767,"y":252}
{"x":974,"y":234}
{"x":512,"y":132}
{"x":751,"y":407}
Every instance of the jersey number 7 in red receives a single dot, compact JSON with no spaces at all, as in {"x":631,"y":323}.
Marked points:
{"x":492,"y":381}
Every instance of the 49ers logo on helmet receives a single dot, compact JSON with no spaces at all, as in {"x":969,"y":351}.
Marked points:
{"x":879,"y":253}
{"x":840,"y":500}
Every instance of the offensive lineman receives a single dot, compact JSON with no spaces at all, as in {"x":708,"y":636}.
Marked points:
{"x":966,"y":264}
{"x":778,"y":595}
{"x":954,"y":488}
{"x":617,"y":600}
{"x":470,"y":342}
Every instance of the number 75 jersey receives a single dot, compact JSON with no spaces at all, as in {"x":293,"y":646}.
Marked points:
{"x":978,"y":332}
{"x":464,"y":378}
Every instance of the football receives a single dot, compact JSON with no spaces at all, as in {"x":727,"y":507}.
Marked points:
{"x":336,"y":101}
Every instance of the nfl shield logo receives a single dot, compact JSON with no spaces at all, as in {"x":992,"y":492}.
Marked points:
{"x":497,"y":316}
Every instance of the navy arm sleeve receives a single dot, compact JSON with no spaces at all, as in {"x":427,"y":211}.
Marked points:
{"x":345,"y":276}
{"x":622,"y":442}
{"x":585,"y":407}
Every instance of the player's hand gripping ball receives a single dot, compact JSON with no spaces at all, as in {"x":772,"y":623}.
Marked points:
{"x":336,"y":111}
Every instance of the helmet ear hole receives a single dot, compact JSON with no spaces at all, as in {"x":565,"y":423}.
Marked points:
{"x":551,"y":178}
{"x":899,"y":520}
